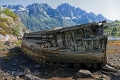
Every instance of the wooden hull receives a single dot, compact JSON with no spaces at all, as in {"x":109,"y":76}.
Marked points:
{"x":65,"y":57}
{"x":75,"y":45}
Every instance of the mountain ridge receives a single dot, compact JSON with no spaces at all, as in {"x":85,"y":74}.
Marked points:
{"x":41,"y":16}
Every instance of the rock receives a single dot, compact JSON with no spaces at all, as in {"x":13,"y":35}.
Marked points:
{"x":107,"y":67}
{"x":17,"y":77}
{"x":101,"y":79}
{"x":27,"y":71}
{"x":31,"y":77}
{"x":115,"y":76}
{"x":103,"y":76}
{"x":5,"y":49}
{"x":84,"y":74}
{"x":7,"y":43}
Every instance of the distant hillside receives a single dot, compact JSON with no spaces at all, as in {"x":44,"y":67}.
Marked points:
{"x":10,"y":24}
{"x":42,"y":16}
{"x":113,"y":28}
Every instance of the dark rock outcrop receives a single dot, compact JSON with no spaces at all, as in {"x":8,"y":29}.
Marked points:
{"x":84,"y":74}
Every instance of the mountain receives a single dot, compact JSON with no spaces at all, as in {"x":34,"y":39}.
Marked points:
{"x":41,"y":16}
{"x":14,"y":7}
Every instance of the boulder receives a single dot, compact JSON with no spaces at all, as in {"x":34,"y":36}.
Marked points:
{"x":84,"y":74}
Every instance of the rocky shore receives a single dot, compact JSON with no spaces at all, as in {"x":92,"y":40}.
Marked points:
{"x":14,"y":65}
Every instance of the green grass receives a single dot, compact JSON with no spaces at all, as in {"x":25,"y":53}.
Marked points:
{"x":18,"y":42}
{"x":9,"y":13}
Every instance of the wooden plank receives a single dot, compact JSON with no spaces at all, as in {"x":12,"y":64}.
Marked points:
{"x":92,"y":42}
{"x":83,"y":44}
{"x":74,"y":41}
{"x":84,"y":33}
{"x":77,"y":27}
{"x":91,"y":32}
{"x":55,"y":39}
{"x":63,"y":40}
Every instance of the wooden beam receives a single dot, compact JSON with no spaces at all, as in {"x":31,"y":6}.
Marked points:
{"x":84,"y":33}
{"x":74,"y":41}
{"x":63,"y":40}
{"x":55,"y":39}
{"x":84,"y":44}
{"x":91,"y":32}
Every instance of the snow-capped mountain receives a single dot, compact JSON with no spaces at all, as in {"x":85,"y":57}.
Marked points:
{"x":14,"y":7}
{"x":41,"y":16}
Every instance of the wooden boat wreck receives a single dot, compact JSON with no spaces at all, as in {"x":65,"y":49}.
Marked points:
{"x":68,"y":46}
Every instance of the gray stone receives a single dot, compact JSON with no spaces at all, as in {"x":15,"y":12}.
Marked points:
{"x":115,"y":76}
{"x":31,"y":77}
{"x":84,"y":74}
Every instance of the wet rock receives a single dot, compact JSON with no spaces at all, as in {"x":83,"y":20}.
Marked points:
{"x":31,"y":77}
{"x":84,"y":74}
{"x":115,"y":76}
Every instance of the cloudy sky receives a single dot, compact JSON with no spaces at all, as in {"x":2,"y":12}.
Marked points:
{"x":108,"y":8}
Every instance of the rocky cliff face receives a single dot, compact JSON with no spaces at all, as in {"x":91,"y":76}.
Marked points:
{"x":11,"y":27}
{"x":41,"y":16}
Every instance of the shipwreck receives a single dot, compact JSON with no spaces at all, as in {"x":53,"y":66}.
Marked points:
{"x":73,"y":46}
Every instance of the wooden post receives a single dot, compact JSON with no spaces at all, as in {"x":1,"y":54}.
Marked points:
{"x":74,"y":41}
{"x":55,"y":39}
{"x":84,"y":33}
{"x":63,"y":40}
{"x":92,"y":42}
{"x":91,"y":32}
{"x":84,"y":44}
